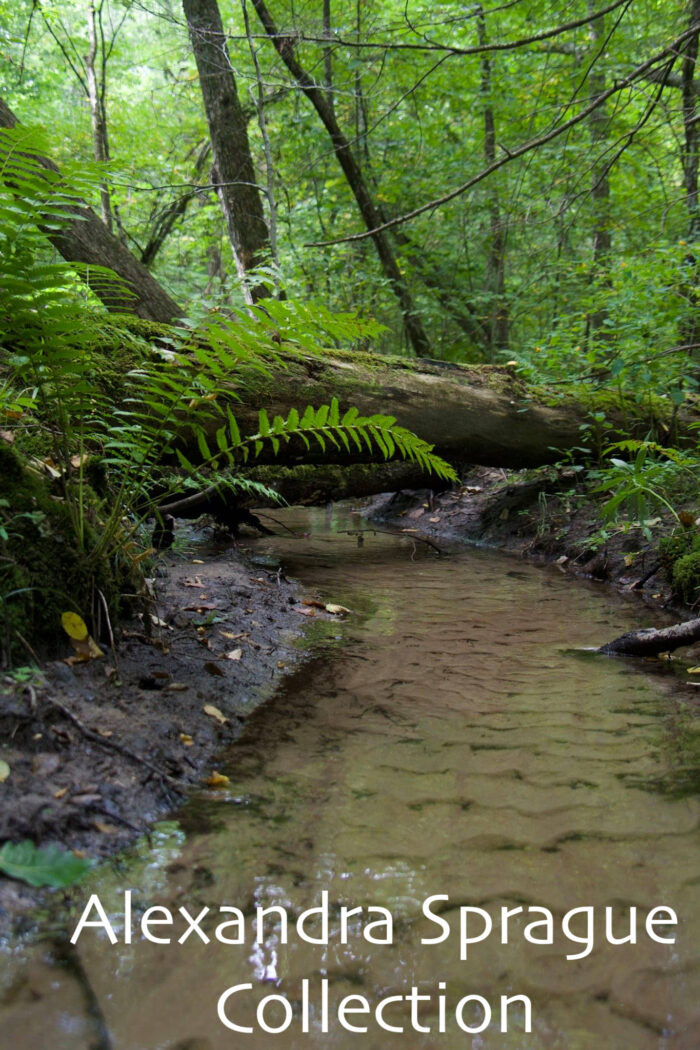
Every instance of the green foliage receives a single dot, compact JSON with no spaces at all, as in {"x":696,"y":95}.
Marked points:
{"x":650,"y":479}
{"x":89,"y":442}
{"x":50,"y":866}
{"x":679,"y":555}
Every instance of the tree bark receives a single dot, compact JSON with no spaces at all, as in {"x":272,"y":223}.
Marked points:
{"x":87,"y":240}
{"x":600,"y":185}
{"x":496,"y":322}
{"x":234,"y":173}
{"x":480,"y":415}
{"x":651,"y":642}
{"x":284,"y":46}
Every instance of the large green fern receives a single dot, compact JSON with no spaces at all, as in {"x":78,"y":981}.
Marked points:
{"x":67,"y":417}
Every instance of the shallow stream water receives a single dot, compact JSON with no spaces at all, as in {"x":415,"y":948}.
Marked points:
{"x":447,"y":740}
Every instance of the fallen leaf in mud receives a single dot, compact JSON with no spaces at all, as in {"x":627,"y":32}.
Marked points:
{"x":4,"y":771}
{"x":281,"y":664}
{"x":216,"y":780}
{"x":157,"y":622}
{"x":409,"y":530}
{"x":314,"y":603}
{"x":74,"y":626}
{"x":85,"y":647}
{"x":214,"y":712}
{"x":337,"y":610}
{"x":105,"y":732}
{"x":235,"y":654}
{"x":694,"y":670}
{"x":197,"y":561}
{"x":213,"y":668}
{"x":305,"y":611}
{"x":106,"y":829}
{"x":41,"y":867}
{"x":193,"y":581}
{"x":186,"y":739}
{"x":233,"y":637}
{"x":86,"y":800}
{"x":61,"y":793}
{"x":176,"y":687}
{"x":435,"y":520}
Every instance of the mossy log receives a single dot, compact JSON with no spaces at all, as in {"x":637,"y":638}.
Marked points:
{"x":483,"y":415}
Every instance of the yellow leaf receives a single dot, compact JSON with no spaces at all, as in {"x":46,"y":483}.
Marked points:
{"x":216,"y":780}
{"x":214,"y":712}
{"x":235,"y":654}
{"x":337,"y":610}
{"x":4,"y":771}
{"x":74,"y":626}
{"x":186,"y":739}
{"x":694,"y":670}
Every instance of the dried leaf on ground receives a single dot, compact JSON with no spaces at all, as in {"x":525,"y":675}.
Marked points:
{"x":216,"y":780}
{"x":214,"y":712}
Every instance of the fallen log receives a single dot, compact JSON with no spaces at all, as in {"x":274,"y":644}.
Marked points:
{"x":484,"y":414}
{"x":652,"y":641}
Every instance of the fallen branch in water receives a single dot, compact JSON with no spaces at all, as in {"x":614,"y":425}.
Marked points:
{"x":651,"y":642}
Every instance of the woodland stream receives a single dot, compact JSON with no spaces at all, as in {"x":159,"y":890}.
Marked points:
{"x":446,"y":739}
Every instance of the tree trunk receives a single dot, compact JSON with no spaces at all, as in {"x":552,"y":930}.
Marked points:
{"x":480,"y":415}
{"x":691,"y":146}
{"x":88,"y":241}
{"x":98,"y":116}
{"x":496,"y":322}
{"x":234,"y":173}
{"x":370,"y":213}
{"x":600,"y":186}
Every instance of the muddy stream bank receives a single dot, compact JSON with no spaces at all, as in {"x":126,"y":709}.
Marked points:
{"x":449,"y":738}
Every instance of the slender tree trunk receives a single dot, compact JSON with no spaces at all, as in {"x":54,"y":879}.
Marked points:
{"x":234,"y":172}
{"x":689,"y":327}
{"x":370,"y":214}
{"x":96,"y":100}
{"x":270,"y":194}
{"x":691,"y":148}
{"x":600,"y":187}
{"x":87,"y":240}
{"x":497,"y":322}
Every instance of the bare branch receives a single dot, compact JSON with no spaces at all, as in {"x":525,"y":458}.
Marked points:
{"x":638,"y":73}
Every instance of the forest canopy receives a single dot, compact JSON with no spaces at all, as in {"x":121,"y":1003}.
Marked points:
{"x":547,"y":151}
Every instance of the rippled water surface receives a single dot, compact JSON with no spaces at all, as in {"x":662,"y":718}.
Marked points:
{"x":446,"y":740}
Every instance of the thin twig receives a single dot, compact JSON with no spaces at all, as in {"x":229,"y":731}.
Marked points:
{"x":111,"y":633}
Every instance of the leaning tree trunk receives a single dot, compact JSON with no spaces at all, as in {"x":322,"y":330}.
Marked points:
{"x":371,"y":216}
{"x":234,"y":173}
{"x":87,"y":240}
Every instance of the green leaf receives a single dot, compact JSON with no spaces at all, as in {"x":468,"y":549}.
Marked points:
{"x":41,"y":867}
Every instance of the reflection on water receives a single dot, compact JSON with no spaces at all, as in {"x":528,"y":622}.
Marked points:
{"x":451,"y":743}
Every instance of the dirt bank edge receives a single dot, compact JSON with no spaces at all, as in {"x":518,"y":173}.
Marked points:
{"x":100,"y":750}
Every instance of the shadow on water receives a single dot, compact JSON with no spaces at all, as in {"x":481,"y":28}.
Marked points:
{"x":445,"y":740}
